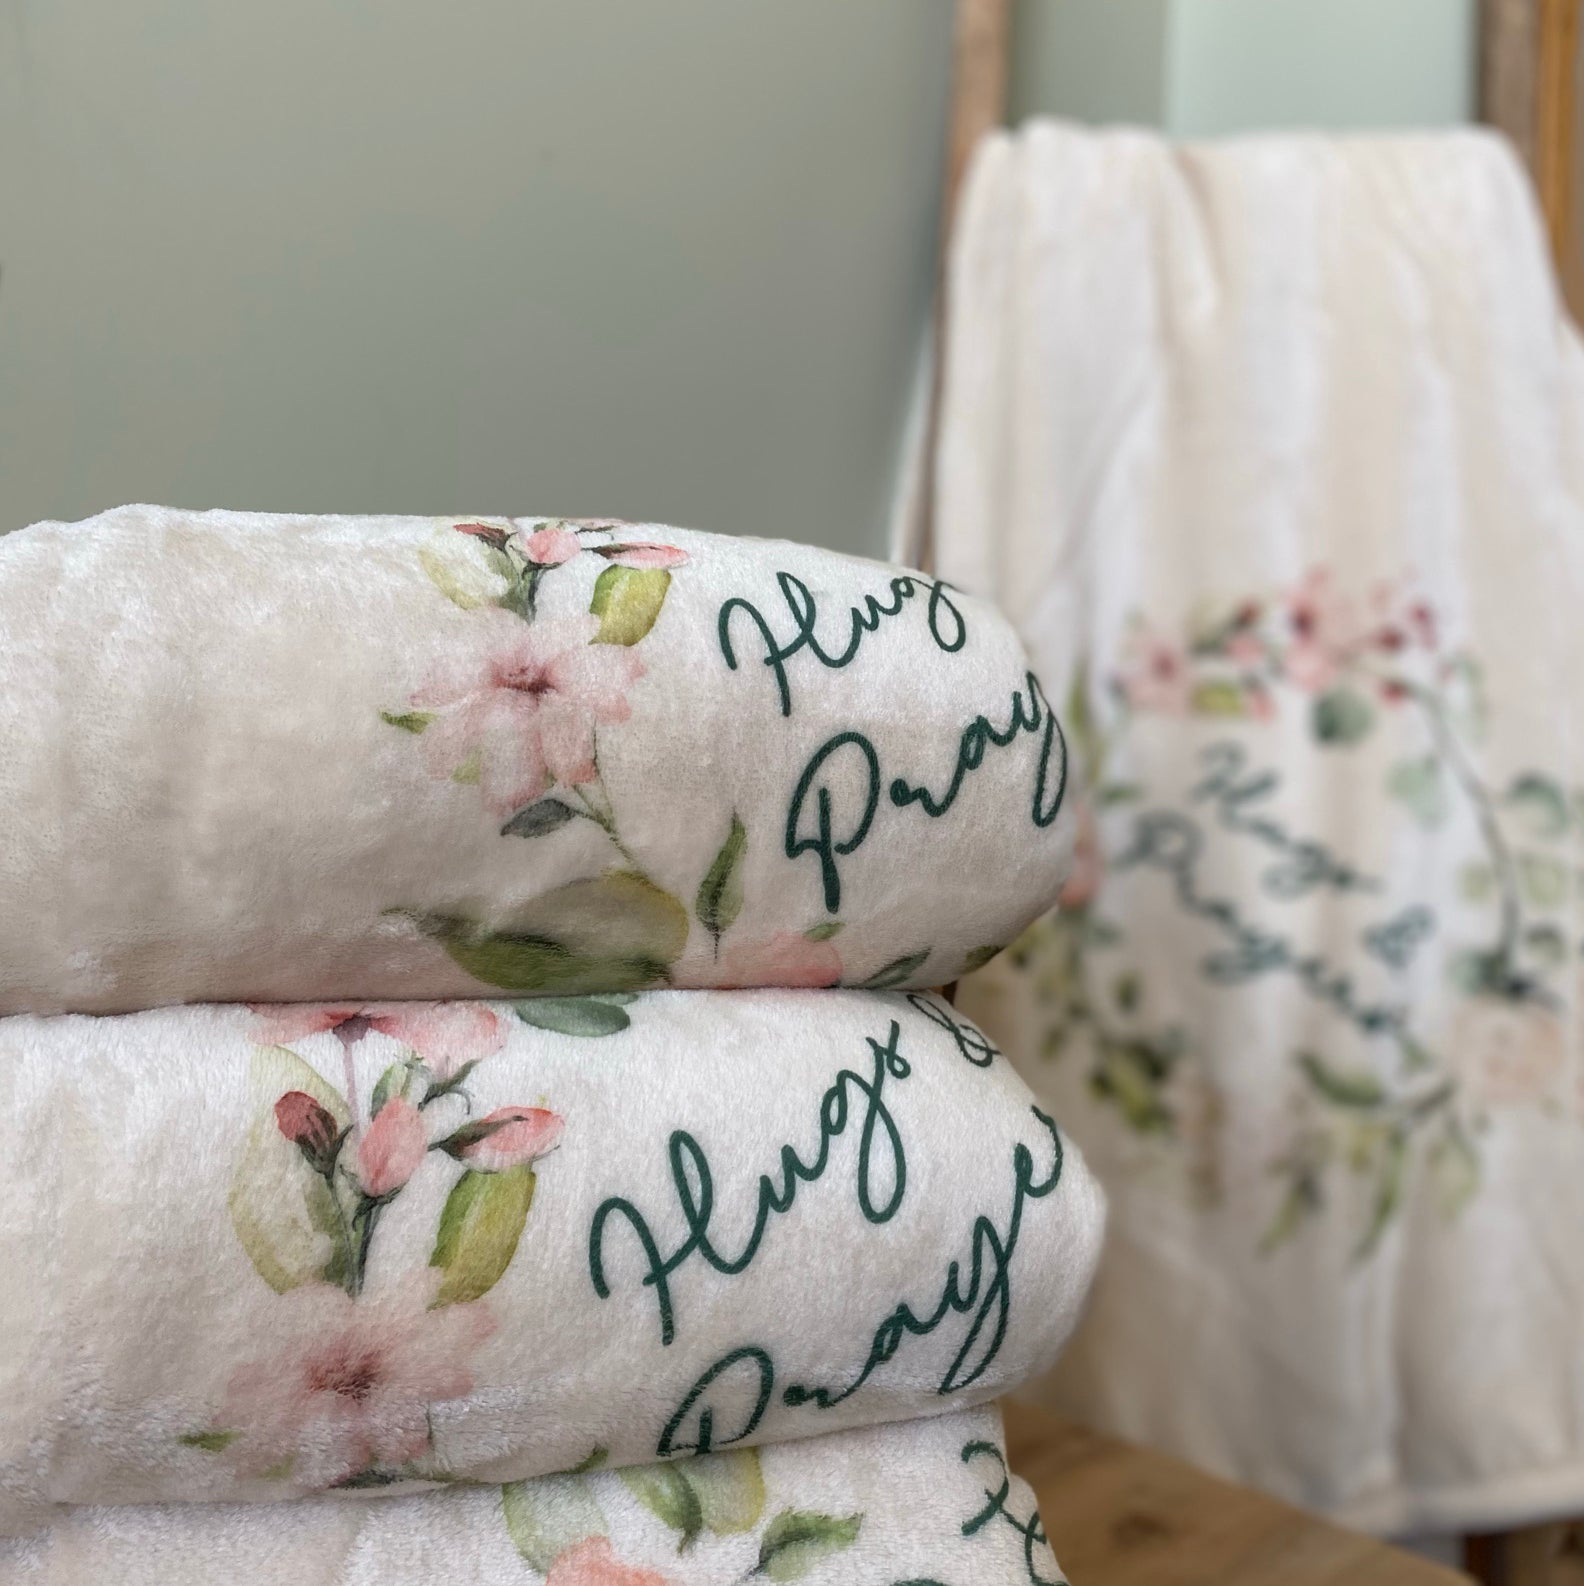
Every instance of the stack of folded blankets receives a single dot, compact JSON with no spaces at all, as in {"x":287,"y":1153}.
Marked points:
{"x":692,"y":1240}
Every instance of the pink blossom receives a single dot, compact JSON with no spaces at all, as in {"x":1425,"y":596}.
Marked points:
{"x":444,"y":1034}
{"x":350,"y":1388}
{"x":1245,"y":649}
{"x":525,"y":703}
{"x":592,"y":1562}
{"x":506,"y":1138}
{"x":1088,"y":864}
{"x":784,"y":959}
{"x":641,"y":553}
{"x":1508,"y":1053}
{"x":549,"y":546}
{"x":1155,"y":673}
{"x":1327,"y":628}
{"x":392,"y":1148}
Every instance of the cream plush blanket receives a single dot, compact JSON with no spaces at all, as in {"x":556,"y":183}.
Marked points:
{"x":268,"y":758}
{"x":257,"y":1253}
{"x":928,"y":1503}
{"x":1274,"y":451}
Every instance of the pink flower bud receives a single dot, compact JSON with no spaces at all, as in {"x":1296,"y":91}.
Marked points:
{"x":307,"y":1124}
{"x":392,"y":1148}
{"x":641,"y":553}
{"x":506,"y":1138}
{"x":486,"y":532}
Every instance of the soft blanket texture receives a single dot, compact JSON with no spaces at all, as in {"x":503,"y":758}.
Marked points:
{"x":1274,"y":451}
{"x":922,"y":1503}
{"x":252,"y":757}
{"x":253,"y":1253}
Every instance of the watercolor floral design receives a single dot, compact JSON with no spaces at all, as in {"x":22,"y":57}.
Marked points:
{"x":1344,"y":663}
{"x":561,"y":1531}
{"x":345,"y":1394}
{"x":519,"y":716}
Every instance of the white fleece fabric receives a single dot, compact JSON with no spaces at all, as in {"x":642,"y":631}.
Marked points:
{"x":274,"y":758}
{"x":924,"y":1503}
{"x":257,"y":1253}
{"x":1274,"y":452}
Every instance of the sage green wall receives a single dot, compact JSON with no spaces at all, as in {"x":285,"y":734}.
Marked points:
{"x":587,"y":256}
{"x":1201,"y":67}
{"x":1238,"y":64}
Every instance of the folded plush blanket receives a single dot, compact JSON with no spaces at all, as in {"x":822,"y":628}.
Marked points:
{"x":252,"y":757}
{"x":926,"y":1503}
{"x":255,"y":1253}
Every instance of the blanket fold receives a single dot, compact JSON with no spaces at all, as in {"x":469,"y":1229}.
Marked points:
{"x":259,"y":1252}
{"x":267,"y":758}
{"x":926,"y":1503}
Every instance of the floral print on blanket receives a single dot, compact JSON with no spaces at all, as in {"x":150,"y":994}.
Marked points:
{"x":562,"y":1533}
{"x":361,"y":1351}
{"x":518,"y":717}
{"x":1394,"y":1099}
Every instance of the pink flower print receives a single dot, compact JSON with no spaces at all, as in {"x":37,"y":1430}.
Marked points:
{"x":444,"y":1034}
{"x":1508,"y":1053}
{"x":526,"y":704}
{"x":1088,"y":864}
{"x":506,"y":1138}
{"x":1327,"y":631}
{"x":350,"y":1389}
{"x":1155,"y":673}
{"x":1245,"y":649}
{"x":592,"y":1562}
{"x":392,"y":1148}
{"x":641,"y":553}
{"x":784,"y":959}
{"x":550,"y":546}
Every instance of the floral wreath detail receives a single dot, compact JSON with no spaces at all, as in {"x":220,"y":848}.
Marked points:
{"x":519,"y":717}
{"x":1347,"y":663}
{"x":347,"y":1399}
{"x":561,"y":1532}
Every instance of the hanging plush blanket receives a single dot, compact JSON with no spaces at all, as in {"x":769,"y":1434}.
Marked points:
{"x":257,"y":1253}
{"x":927,"y":1503}
{"x":252,"y":757}
{"x":1274,"y":451}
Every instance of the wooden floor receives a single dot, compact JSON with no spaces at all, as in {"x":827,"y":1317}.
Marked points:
{"x":1122,"y":1516}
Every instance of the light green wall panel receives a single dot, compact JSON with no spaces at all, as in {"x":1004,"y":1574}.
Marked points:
{"x":1233,"y":65}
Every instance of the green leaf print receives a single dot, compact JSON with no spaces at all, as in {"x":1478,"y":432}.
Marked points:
{"x":896,"y":973}
{"x":796,"y":1540}
{"x":824,"y":930}
{"x":537,"y":820}
{"x":666,"y":1492}
{"x":1539,"y":805}
{"x":548,"y":1515}
{"x":1217,"y":698}
{"x":1421,"y":787}
{"x":287,"y":1219}
{"x":1342,"y":716}
{"x":615,"y":932}
{"x":588,"y":1016}
{"x":978,"y":957}
{"x":413,"y":721}
{"x":720,"y":893}
{"x":480,"y":1225}
{"x":627,"y":600}
{"x":1345,"y":1088}
{"x":731,"y":1490}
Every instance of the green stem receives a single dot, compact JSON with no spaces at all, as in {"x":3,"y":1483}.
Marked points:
{"x":607,"y":824}
{"x":1501,"y":858}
